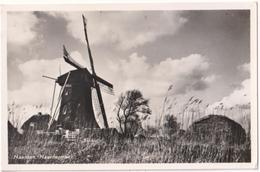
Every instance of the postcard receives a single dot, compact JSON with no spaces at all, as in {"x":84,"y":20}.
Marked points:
{"x":129,"y":86}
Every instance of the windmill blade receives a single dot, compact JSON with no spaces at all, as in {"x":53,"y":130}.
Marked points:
{"x":104,"y":82}
{"x":89,"y":51}
{"x":96,"y":108}
{"x":53,"y":95}
{"x":104,"y":85}
{"x":106,"y":89}
{"x":58,"y":103}
{"x":101,"y":104}
{"x":70,"y":60}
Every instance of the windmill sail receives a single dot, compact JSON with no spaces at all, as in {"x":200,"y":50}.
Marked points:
{"x":96,"y":108}
{"x":105,"y":86}
{"x":70,"y":60}
{"x":106,"y":89}
{"x":94,"y":76}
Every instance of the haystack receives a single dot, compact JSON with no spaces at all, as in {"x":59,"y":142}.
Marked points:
{"x":216,"y":129}
{"x":13,"y":134}
{"x":37,"y":122}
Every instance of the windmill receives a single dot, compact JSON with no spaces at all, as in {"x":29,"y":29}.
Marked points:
{"x":80,"y":89}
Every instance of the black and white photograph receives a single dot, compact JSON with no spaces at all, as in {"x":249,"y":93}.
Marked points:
{"x":130,"y":86}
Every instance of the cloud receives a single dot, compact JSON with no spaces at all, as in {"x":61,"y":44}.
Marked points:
{"x":239,"y":96}
{"x":185,"y":74}
{"x":34,"y":93}
{"x":211,"y":78}
{"x":126,"y":30}
{"x":20,"y":27}
{"x":241,"y":93}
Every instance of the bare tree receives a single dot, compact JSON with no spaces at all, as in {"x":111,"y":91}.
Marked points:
{"x":132,"y":108}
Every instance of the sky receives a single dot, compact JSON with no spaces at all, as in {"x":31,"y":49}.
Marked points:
{"x":205,"y":54}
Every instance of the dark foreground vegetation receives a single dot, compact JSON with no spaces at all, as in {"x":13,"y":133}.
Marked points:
{"x":149,"y":150}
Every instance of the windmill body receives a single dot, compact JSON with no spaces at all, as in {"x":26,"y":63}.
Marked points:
{"x":76,"y":109}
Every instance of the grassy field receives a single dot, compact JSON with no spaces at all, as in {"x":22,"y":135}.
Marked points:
{"x":125,"y":151}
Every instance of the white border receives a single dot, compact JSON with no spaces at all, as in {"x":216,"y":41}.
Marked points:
{"x":132,"y":6}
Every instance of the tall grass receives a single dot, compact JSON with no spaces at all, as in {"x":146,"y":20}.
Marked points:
{"x":126,"y":151}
